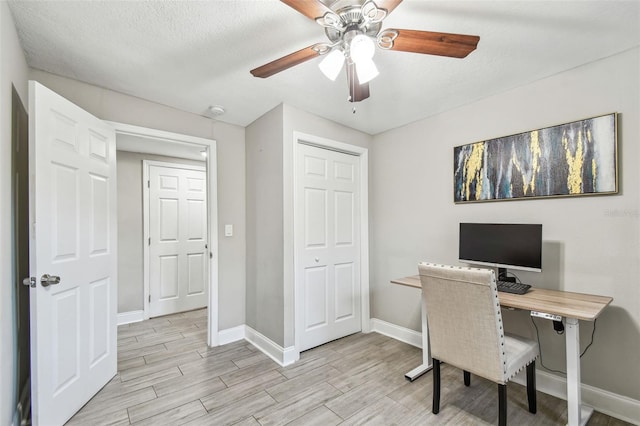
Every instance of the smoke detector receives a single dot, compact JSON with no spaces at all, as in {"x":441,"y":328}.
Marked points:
{"x":214,"y":111}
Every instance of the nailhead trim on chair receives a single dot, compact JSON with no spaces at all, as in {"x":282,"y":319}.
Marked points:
{"x":500,"y":328}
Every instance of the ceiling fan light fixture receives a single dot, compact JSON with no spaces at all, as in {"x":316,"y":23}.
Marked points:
{"x":361,"y":48}
{"x":366,"y":70}
{"x":332,"y":64}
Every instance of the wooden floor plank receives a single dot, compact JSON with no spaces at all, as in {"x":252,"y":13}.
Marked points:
{"x":236,"y":411}
{"x":241,"y":390}
{"x":169,"y":376}
{"x":297,"y":405}
{"x":292,"y":387}
{"x":183,"y":383}
{"x":321,"y":416}
{"x":172,"y":400}
{"x":176,"y":416}
{"x":247,"y":373}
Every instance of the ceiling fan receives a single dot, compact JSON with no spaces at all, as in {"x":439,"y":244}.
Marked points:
{"x":353,"y":30}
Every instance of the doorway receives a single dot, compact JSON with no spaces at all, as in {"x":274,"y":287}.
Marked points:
{"x":134,"y":145}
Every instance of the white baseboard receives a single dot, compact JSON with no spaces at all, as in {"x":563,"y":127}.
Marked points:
{"x":609,"y":403}
{"x":283,"y":356}
{"x":411,"y":337}
{"x":231,"y":335}
{"x":289,"y":356}
{"x":129,"y":317}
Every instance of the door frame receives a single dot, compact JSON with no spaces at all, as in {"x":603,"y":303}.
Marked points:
{"x":291,"y":221}
{"x":208,"y":145}
{"x":146,"y":229}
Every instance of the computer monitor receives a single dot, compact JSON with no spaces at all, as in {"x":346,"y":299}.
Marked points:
{"x":502,"y":245}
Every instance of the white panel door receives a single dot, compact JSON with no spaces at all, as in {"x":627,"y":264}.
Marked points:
{"x":73,"y":236}
{"x":327,"y":244}
{"x":178,"y":254}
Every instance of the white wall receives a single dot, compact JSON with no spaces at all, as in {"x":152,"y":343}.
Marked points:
{"x":13,"y":71}
{"x":231,"y":210}
{"x":591,"y":244}
{"x":130,"y":227}
{"x":118,"y":107}
{"x":270,"y":269}
{"x":265,"y":303}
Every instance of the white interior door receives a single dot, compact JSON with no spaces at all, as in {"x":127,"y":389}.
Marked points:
{"x":328,"y":244}
{"x":178,"y":252}
{"x":73,"y":236}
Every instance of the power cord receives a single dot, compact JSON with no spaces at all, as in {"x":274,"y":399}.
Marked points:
{"x":557,"y":326}
{"x":593,"y":331}
{"x":540,"y":347}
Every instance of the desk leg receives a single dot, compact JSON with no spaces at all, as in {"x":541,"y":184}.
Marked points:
{"x":577,"y":414}
{"x":426,"y":357}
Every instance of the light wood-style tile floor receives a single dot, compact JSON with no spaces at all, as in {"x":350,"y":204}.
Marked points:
{"x":168,"y":376}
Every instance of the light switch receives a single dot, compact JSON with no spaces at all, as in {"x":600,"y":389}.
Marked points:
{"x":228,"y":230}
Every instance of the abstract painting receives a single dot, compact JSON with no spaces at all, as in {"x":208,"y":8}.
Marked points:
{"x":577,"y":158}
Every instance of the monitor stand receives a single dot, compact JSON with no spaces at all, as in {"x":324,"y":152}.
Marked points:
{"x":502,"y":275}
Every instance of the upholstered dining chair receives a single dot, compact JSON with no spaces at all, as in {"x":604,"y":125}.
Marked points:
{"x":465,"y":331}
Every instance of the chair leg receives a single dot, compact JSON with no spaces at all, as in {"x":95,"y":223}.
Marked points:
{"x":435,"y":409}
{"x":531,"y":387}
{"x":502,"y":405}
{"x":467,"y":377}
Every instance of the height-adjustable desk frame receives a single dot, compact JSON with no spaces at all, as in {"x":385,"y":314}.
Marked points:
{"x":572,"y":306}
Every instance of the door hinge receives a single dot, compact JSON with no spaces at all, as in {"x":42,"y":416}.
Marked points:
{"x":149,"y":240}
{"x":148,"y":184}
{"x":149,"y":298}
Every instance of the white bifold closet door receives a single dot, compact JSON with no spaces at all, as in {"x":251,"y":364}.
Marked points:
{"x":328,"y":244}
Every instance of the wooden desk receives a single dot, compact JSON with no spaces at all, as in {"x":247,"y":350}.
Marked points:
{"x":572,"y":306}
{"x":581,"y":306}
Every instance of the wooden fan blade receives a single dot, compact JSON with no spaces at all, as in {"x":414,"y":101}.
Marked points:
{"x":387,"y":4}
{"x":285,"y":62}
{"x":312,"y":9}
{"x":357,"y":91}
{"x":431,"y":43}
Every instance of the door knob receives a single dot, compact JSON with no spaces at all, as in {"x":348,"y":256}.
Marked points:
{"x":317,"y":259}
{"x":47,"y":280}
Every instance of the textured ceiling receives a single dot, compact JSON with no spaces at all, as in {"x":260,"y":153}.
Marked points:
{"x":193,"y":54}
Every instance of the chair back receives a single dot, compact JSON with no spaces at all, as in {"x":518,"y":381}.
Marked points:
{"x":465,"y":323}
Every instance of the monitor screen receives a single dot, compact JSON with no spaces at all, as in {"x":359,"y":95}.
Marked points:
{"x":502,"y":245}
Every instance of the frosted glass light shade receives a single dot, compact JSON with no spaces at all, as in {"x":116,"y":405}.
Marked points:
{"x":361,"y":48}
{"x":366,"y":70}
{"x":332,"y":64}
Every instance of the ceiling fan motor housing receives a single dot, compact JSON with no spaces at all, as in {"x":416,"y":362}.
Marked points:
{"x":351,"y":18}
